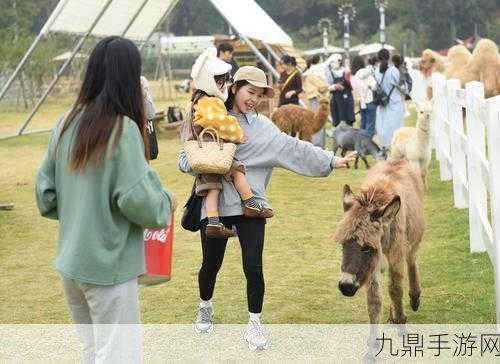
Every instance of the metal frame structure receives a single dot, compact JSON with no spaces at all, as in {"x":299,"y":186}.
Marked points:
{"x":53,"y":18}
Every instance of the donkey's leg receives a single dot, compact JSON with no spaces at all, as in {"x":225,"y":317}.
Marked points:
{"x":374,"y":299}
{"x":414,"y":279}
{"x":374,"y":302}
{"x":396,"y":276}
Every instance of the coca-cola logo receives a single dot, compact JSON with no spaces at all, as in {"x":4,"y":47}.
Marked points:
{"x":156,"y":235}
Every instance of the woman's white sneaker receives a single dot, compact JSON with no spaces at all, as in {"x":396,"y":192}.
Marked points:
{"x":204,"y":319}
{"x":254,"y":336}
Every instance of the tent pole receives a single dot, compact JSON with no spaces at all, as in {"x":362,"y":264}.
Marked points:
{"x":271,"y":52}
{"x":132,"y":21}
{"x":167,"y":13}
{"x":31,"y":49}
{"x":63,"y":67}
{"x":259,"y":55}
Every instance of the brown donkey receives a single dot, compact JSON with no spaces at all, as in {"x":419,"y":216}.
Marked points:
{"x":385,"y":218}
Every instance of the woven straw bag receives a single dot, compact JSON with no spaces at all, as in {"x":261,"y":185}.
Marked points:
{"x":209,"y":156}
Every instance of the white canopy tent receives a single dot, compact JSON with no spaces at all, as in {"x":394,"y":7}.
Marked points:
{"x":329,"y":50}
{"x":181,"y":45}
{"x":137,"y":20}
{"x":374,"y":48}
{"x":250,"y":20}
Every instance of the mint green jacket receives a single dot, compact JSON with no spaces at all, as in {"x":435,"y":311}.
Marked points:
{"x":102,"y":211}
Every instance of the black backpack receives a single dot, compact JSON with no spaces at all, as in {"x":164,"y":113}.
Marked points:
{"x":380,"y":97}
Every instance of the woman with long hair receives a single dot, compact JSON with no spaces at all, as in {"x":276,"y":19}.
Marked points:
{"x":390,"y":117}
{"x":267,"y":147}
{"x":96,"y":181}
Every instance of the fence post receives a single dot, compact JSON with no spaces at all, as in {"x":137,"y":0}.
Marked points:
{"x":440,"y":113}
{"x":458,"y":163}
{"x":493,"y":128}
{"x":475,"y":147}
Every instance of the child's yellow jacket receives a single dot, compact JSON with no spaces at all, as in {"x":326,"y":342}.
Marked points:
{"x":210,"y":112}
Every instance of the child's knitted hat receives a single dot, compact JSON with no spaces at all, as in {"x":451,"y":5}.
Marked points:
{"x":206,"y":66}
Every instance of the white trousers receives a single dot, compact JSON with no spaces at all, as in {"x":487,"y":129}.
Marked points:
{"x":107,"y":320}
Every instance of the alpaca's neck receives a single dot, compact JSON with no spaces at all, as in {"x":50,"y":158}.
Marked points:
{"x":423,"y":130}
{"x":321,"y":116}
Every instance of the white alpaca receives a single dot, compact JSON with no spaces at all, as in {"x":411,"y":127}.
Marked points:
{"x":411,"y":143}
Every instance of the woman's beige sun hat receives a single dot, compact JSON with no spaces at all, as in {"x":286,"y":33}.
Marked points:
{"x":254,"y":76}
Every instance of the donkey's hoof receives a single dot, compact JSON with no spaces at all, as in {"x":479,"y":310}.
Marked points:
{"x":392,"y":321}
{"x":415,"y":302}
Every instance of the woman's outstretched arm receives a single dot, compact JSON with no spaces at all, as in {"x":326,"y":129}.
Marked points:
{"x":303,"y":157}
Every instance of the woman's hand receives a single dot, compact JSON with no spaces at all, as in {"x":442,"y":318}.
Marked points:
{"x":343,"y":162}
{"x":289,"y":94}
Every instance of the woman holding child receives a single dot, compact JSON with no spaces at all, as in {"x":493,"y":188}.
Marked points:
{"x":262,"y":148}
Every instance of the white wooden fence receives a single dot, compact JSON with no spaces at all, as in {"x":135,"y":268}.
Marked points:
{"x":469,"y":155}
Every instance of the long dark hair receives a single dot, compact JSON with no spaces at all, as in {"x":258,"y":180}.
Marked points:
{"x":357,"y":63}
{"x":111,"y":89}
{"x":230,"y":99}
{"x":383,"y":56}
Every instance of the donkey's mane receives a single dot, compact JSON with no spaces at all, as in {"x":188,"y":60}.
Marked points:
{"x":376,"y":195}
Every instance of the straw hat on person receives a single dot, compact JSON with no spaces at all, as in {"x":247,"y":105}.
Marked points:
{"x":254,"y":76}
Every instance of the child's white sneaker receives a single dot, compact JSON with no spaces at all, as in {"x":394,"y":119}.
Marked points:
{"x":204,"y":319}
{"x":254,"y":336}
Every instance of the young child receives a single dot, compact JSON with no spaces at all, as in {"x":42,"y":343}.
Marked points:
{"x":210,"y":76}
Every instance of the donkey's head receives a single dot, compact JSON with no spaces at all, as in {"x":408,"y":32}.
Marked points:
{"x":366,"y":221}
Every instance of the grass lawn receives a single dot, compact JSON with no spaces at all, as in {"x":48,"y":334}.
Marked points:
{"x":301,"y":265}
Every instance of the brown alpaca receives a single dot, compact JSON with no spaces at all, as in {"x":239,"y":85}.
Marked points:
{"x":431,"y":62}
{"x":385,"y":218}
{"x":296,"y":119}
{"x":459,"y":56}
{"x":485,"y":63}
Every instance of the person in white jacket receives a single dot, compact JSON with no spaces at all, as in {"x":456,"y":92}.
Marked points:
{"x":363,"y":83}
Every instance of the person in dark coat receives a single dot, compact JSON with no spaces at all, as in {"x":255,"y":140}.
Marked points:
{"x":342,"y":101}
{"x":290,"y":82}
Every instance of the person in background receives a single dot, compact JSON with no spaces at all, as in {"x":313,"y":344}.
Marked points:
{"x":405,"y":81}
{"x":391,"y":116}
{"x":372,"y":64}
{"x":314,"y":86}
{"x":150,"y":113}
{"x":363,"y":84}
{"x":290,"y":82}
{"x":225,"y":52}
{"x":96,"y":181}
{"x":342,"y":101}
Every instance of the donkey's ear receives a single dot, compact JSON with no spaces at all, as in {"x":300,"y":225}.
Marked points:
{"x":347,"y":198}
{"x":389,"y":212}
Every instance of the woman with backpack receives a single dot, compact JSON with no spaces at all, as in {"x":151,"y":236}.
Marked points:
{"x":388,"y":98}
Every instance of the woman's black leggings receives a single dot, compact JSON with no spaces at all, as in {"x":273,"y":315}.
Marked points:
{"x":251,"y":236}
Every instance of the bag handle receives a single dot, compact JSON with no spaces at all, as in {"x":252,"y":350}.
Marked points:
{"x":214,"y":134}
